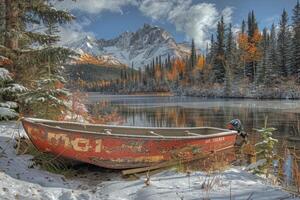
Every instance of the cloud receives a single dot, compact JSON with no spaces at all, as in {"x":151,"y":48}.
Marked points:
{"x":195,"y":20}
{"x":94,"y":6}
{"x":73,"y":32}
{"x":156,"y":9}
{"x":227,"y":14}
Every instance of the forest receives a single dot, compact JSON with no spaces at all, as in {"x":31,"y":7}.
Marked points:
{"x":251,"y":63}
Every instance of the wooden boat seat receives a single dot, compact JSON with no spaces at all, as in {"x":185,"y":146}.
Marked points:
{"x":108,"y":131}
{"x":189,"y":133}
{"x":156,"y":134}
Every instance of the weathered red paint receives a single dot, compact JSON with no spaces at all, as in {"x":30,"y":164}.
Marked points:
{"x":119,"y":152}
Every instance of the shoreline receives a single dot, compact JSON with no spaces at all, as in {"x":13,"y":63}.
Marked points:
{"x":196,"y":96}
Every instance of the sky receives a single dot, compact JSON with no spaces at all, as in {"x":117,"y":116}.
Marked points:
{"x":184,"y":19}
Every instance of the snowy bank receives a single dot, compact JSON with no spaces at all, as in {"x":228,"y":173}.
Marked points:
{"x":18,"y":181}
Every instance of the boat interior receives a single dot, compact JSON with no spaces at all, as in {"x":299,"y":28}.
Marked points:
{"x":140,"y":131}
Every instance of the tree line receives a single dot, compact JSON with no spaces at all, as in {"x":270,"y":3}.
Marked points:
{"x":251,"y":58}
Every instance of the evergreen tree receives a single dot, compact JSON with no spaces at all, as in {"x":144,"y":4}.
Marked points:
{"x":193,"y":58}
{"x":211,"y":51}
{"x":296,"y":40}
{"x":229,"y":61}
{"x":191,"y":63}
{"x":243,"y":28}
{"x":252,"y":24}
{"x":36,"y":59}
{"x":272,"y":70}
{"x":264,"y":61}
{"x":218,"y":68}
{"x":9,"y":93}
{"x":284,"y":44}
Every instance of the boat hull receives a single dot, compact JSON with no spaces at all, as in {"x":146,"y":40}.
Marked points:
{"x":120,"y":152}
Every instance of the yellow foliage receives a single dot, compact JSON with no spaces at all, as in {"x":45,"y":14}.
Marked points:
{"x":200,"y":63}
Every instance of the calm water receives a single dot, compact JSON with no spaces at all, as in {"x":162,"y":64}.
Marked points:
{"x":191,"y":111}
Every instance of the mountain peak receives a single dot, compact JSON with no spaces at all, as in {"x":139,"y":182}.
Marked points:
{"x":138,"y":47}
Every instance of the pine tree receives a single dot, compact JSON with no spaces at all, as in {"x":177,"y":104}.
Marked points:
{"x":218,"y":68}
{"x":264,"y":61}
{"x":18,"y":43}
{"x":38,"y":65}
{"x":243,"y":28}
{"x":296,"y":40}
{"x":211,"y":51}
{"x":9,"y":93}
{"x":284,"y":44}
{"x":191,"y":63}
{"x":193,"y":58}
{"x":229,"y":61}
{"x":272,"y":70}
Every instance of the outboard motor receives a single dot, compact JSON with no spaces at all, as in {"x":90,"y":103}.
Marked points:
{"x":236,"y":125}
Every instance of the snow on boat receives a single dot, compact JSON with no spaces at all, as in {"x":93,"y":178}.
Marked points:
{"x":123,"y":147}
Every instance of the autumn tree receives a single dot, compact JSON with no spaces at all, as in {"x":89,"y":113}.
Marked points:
{"x":253,"y":50}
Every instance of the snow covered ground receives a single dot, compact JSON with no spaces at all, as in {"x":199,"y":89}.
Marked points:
{"x":18,"y":181}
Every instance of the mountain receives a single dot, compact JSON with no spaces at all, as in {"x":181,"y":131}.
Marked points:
{"x":138,"y":48}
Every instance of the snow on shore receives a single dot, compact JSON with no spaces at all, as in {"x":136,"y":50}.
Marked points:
{"x":17,"y":181}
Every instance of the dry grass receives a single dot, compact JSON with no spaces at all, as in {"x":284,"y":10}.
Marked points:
{"x":219,"y":161}
{"x":45,"y":161}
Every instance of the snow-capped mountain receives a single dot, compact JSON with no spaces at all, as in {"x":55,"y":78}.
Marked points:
{"x":137,"y":48}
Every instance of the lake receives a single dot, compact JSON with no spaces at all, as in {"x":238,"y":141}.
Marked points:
{"x":165,"y":111}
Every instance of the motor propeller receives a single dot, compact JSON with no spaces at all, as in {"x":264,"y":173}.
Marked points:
{"x":237,"y":125}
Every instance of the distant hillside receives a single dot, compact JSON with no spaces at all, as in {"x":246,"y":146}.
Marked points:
{"x":103,"y":61}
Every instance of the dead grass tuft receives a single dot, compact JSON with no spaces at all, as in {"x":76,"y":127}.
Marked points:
{"x":46,"y":161}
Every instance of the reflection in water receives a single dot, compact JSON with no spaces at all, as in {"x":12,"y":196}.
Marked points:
{"x":191,"y":112}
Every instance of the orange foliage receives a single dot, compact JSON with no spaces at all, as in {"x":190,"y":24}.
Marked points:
{"x":157,"y":72}
{"x":250,"y":47}
{"x":5,"y":61}
{"x":254,"y":53}
{"x":172,"y":74}
{"x":177,"y":68}
{"x":89,"y":59}
{"x":243,"y":44}
{"x":200,"y":63}
{"x":179,"y":65}
{"x":59,"y":85}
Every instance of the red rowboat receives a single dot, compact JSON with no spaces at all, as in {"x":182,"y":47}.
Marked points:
{"x":123,"y":147}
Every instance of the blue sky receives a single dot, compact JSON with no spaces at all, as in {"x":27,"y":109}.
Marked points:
{"x":184,"y":19}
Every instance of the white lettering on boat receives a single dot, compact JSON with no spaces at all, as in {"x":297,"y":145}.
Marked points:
{"x":78,"y":144}
{"x":219,"y":139}
{"x":98,"y":146}
{"x":55,"y":138}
